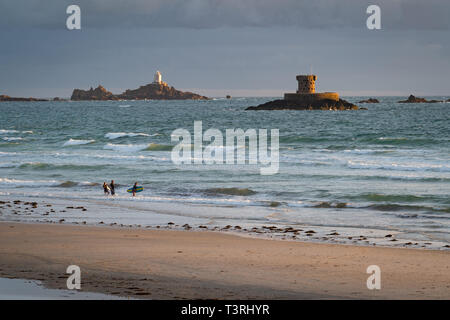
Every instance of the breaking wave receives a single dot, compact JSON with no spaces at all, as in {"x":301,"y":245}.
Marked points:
{"x":126,"y":147}
{"x":75,"y":142}
{"x":12,"y":139}
{"x":16,"y":183}
{"x":116,"y":135}
{"x":137,"y":147}
{"x":3,"y":131}
{"x":27,"y":183}
{"x":398,"y":166}
{"x":230,"y":191}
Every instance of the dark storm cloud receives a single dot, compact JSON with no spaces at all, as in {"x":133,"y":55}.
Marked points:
{"x":203,"y":14}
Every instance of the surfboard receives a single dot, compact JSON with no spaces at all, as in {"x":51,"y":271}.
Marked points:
{"x":138,"y":189}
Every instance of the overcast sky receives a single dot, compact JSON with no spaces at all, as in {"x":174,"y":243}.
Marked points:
{"x":219,"y":47}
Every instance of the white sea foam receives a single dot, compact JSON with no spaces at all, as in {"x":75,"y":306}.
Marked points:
{"x":391,"y":138}
{"x":126,"y":147}
{"x":103,"y":155}
{"x":124,"y":106}
{"x":115,"y":135}
{"x":75,"y":142}
{"x":365,"y":151}
{"x":26,"y":183}
{"x":398,"y":166}
{"x":12,"y":138}
{"x":87,"y":183}
{"x":6,"y":154}
{"x":2,"y":131}
{"x":42,"y":183}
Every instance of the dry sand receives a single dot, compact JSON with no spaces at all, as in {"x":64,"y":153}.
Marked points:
{"x":163,"y":264}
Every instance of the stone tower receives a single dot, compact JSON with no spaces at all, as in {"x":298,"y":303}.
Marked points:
{"x":306,"y":83}
{"x":306,"y":93}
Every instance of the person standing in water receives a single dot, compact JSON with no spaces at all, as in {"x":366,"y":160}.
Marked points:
{"x":134,"y":189}
{"x":105,"y":188}
{"x":112,"y":187}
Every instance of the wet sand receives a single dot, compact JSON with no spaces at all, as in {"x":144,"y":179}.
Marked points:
{"x":166,"y":264}
{"x":19,"y":289}
{"x":161,"y":216}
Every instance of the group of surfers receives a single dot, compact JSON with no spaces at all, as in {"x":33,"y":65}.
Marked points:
{"x":111,"y":188}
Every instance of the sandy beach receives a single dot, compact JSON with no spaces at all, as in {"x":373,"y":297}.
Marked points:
{"x":165,"y":264}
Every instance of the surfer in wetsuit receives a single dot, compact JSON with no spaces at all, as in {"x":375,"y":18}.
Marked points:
{"x":105,"y":188}
{"x":134,"y":189}
{"x":112,"y":187}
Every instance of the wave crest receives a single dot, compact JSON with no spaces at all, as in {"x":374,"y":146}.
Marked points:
{"x":12,"y":139}
{"x":116,"y":135}
{"x":75,"y":142}
{"x":137,"y":147}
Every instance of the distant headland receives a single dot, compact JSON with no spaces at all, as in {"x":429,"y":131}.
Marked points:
{"x":306,"y":98}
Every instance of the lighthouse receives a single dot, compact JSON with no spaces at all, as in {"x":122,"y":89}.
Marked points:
{"x":157,"y":78}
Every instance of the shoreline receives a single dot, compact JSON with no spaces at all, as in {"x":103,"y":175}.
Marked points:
{"x":197,"y":217}
{"x":169,"y":264}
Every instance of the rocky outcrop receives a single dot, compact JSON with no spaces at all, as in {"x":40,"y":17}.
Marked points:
{"x":8,"y":98}
{"x":370,"y":100}
{"x":318,"y":105}
{"x":413,"y":99}
{"x":157,"y":91}
{"x":98,"y":93}
{"x":152,"y":91}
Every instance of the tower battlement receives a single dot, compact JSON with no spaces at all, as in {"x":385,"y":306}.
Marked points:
{"x":306,"y":83}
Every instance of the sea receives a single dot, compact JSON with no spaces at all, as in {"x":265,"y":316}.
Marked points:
{"x":379,"y":176}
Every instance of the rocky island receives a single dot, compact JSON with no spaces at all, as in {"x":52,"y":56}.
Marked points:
{"x":413,"y":99}
{"x":370,"y":100}
{"x":323,"y":104}
{"x":307,"y":99}
{"x":8,"y":98}
{"x":157,"y":90}
{"x":98,"y":93}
